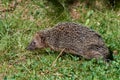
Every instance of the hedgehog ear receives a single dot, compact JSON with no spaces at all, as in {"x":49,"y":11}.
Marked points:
{"x":42,"y":39}
{"x":41,"y":35}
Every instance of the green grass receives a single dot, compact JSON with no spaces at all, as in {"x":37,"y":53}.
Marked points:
{"x":18,"y":27}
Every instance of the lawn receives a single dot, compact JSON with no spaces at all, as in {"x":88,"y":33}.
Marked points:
{"x":18,"y":26}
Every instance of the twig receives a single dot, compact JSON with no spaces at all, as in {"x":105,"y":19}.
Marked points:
{"x":57,"y":57}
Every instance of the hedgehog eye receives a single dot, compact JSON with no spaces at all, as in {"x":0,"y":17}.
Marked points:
{"x":33,"y":43}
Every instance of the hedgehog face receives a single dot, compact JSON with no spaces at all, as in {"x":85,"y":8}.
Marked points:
{"x":38,"y":42}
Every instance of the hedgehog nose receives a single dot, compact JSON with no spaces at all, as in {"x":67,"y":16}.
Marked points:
{"x":27,"y":48}
{"x":30,"y":48}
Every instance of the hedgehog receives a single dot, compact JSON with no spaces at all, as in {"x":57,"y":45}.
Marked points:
{"x":74,"y":38}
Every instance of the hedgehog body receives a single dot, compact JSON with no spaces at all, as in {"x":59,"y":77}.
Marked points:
{"x":72,"y":37}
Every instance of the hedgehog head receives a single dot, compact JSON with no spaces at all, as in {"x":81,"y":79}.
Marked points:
{"x":38,"y":42}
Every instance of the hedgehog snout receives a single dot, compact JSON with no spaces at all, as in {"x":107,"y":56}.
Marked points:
{"x":31,"y":46}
